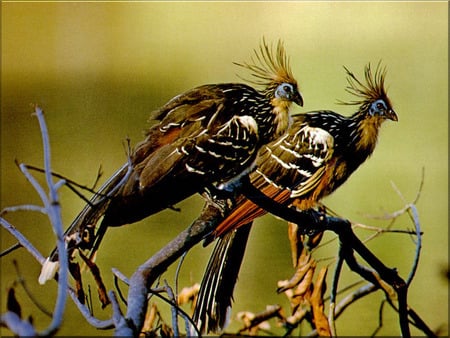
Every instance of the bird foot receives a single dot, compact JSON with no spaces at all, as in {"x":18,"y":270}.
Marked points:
{"x":220,"y":199}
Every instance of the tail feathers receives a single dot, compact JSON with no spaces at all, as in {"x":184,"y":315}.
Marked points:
{"x":81,"y":233}
{"x":211,"y":313}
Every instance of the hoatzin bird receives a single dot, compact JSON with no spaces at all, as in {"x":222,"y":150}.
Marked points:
{"x":318,"y":153}
{"x":207,"y":137}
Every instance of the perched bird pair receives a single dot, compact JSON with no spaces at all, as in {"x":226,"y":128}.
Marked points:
{"x":207,"y":139}
{"x":210,"y":137}
{"x":317,"y":154}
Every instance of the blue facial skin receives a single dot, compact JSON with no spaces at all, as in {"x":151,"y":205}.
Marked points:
{"x":285,"y":91}
{"x":379,"y":107}
{"x":289,"y":92}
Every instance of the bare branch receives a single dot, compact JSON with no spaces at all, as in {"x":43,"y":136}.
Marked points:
{"x":23,"y":241}
{"x":12,"y":248}
{"x":119,"y":320}
{"x":147,"y":273}
{"x":415,"y":218}
{"x":333,"y":292}
{"x":71,"y":184}
{"x":176,"y":331}
{"x":140,"y":284}
{"x":54,"y":213}
{"x":21,"y":327}
{"x":25,"y":207}
{"x":53,"y":210}
{"x":97,"y":323}
{"x":354,"y":296}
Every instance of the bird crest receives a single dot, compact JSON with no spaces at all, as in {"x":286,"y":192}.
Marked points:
{"x":369,"y":92}
{"x":269,"y":66}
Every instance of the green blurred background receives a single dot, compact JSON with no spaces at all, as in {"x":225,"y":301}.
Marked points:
{"x":99,"y":69}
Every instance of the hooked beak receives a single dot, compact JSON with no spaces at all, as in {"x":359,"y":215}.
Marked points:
{"x":298,"y":99}
{"x":391,"y":115}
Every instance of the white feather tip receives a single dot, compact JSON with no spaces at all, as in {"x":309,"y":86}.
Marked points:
{"x":48,"y":271}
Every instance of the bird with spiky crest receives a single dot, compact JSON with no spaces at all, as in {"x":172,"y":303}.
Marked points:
{"x":207,"y":137}
{"x":317,"y":155}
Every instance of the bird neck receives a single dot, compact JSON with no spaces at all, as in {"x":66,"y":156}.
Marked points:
{"x":282,"y":118}
{"x":366,"y":132}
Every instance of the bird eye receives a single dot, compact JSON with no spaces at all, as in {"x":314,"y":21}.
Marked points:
{"x":287,"y":89}
{"x":380,"y":105}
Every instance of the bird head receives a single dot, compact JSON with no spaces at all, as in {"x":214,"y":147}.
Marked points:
{"x":289,"y":92}
{"x":383,"y":110}
{"x":270,"y":68}
{"x":374,"y":102}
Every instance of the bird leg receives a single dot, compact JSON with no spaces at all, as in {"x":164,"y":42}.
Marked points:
{"x":222,"y":200}
{"x":219,"y":203}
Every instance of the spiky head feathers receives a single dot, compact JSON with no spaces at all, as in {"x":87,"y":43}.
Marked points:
{"x":269,"y":65}
{"x":369,"y":92}
{"x":270,"y":68}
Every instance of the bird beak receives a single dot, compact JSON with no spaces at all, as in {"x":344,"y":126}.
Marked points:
{"x":298,"y":99}
{"x":391,"y":115}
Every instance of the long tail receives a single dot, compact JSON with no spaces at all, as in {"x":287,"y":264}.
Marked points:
{"x":213,"y":305}
{"x":82,"y":233}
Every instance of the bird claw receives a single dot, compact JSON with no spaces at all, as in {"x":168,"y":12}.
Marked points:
{"x":221,"y":200}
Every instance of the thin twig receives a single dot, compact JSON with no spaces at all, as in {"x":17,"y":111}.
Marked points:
{"x":23,"y":241}
{"x":54,"y":213}
{"x":119,"y":320}
{"x":157,"y":293}
{"x":405,"y":209}
{"x":389,"y":275}
{"x":22,"y":328}
{"x":177,"y":273}
{"x":24,"y":207}
{"x":380,"y":318}
{"x":71,"y":184}
{"x":420,"y":324}
{"x":354,"y":296}
{"x":12,"y":248}
{"x":333,"y":291}
{"x":415,"y":218}
{"x":35,"y":185}
{"x":116,"y":284}
{"x":379,"y":230}
{"x":84,"y":310}
{"x":169,"y":291}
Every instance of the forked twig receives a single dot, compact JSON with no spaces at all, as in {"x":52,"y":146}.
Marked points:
{"x":52,"y":209}
{"x":143,"y":278}
{"x":71,"y":184}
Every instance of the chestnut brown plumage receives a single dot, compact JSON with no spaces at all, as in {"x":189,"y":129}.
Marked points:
{"x":318,"y":153}
{"x":206,"y":137}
